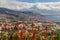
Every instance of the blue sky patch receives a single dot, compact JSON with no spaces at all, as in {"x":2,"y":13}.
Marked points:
{"x":39,"y":0}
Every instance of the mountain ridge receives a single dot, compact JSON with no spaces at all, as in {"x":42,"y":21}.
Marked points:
{"x":21,"y":15}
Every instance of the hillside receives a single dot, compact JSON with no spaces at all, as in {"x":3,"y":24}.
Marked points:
{"x":12,"y":15}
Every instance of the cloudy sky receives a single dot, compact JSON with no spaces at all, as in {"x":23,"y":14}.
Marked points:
{"x":50,"y":7}
{"x":26,"y":4}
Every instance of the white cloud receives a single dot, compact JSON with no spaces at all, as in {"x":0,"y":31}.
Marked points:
{"x":49,"y":5}
{"x":16,"y":5}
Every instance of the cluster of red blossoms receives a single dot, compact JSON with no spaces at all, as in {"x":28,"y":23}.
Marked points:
{"x":22,"y":33}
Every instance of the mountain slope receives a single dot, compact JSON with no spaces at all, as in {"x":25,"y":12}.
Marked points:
{"x":20,"y":15}
{"x":53,"y":14}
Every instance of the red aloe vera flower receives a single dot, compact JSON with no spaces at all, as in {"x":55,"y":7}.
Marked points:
{"x":33,"y":24}
{"x":17,"y":25}
{"x":46,"y":28}
{"x":22,"y":34}
{"x":38,"y":28}
{"x":46,"y":35}
{"x":34,"y":35}
{"x":5,"y":25}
